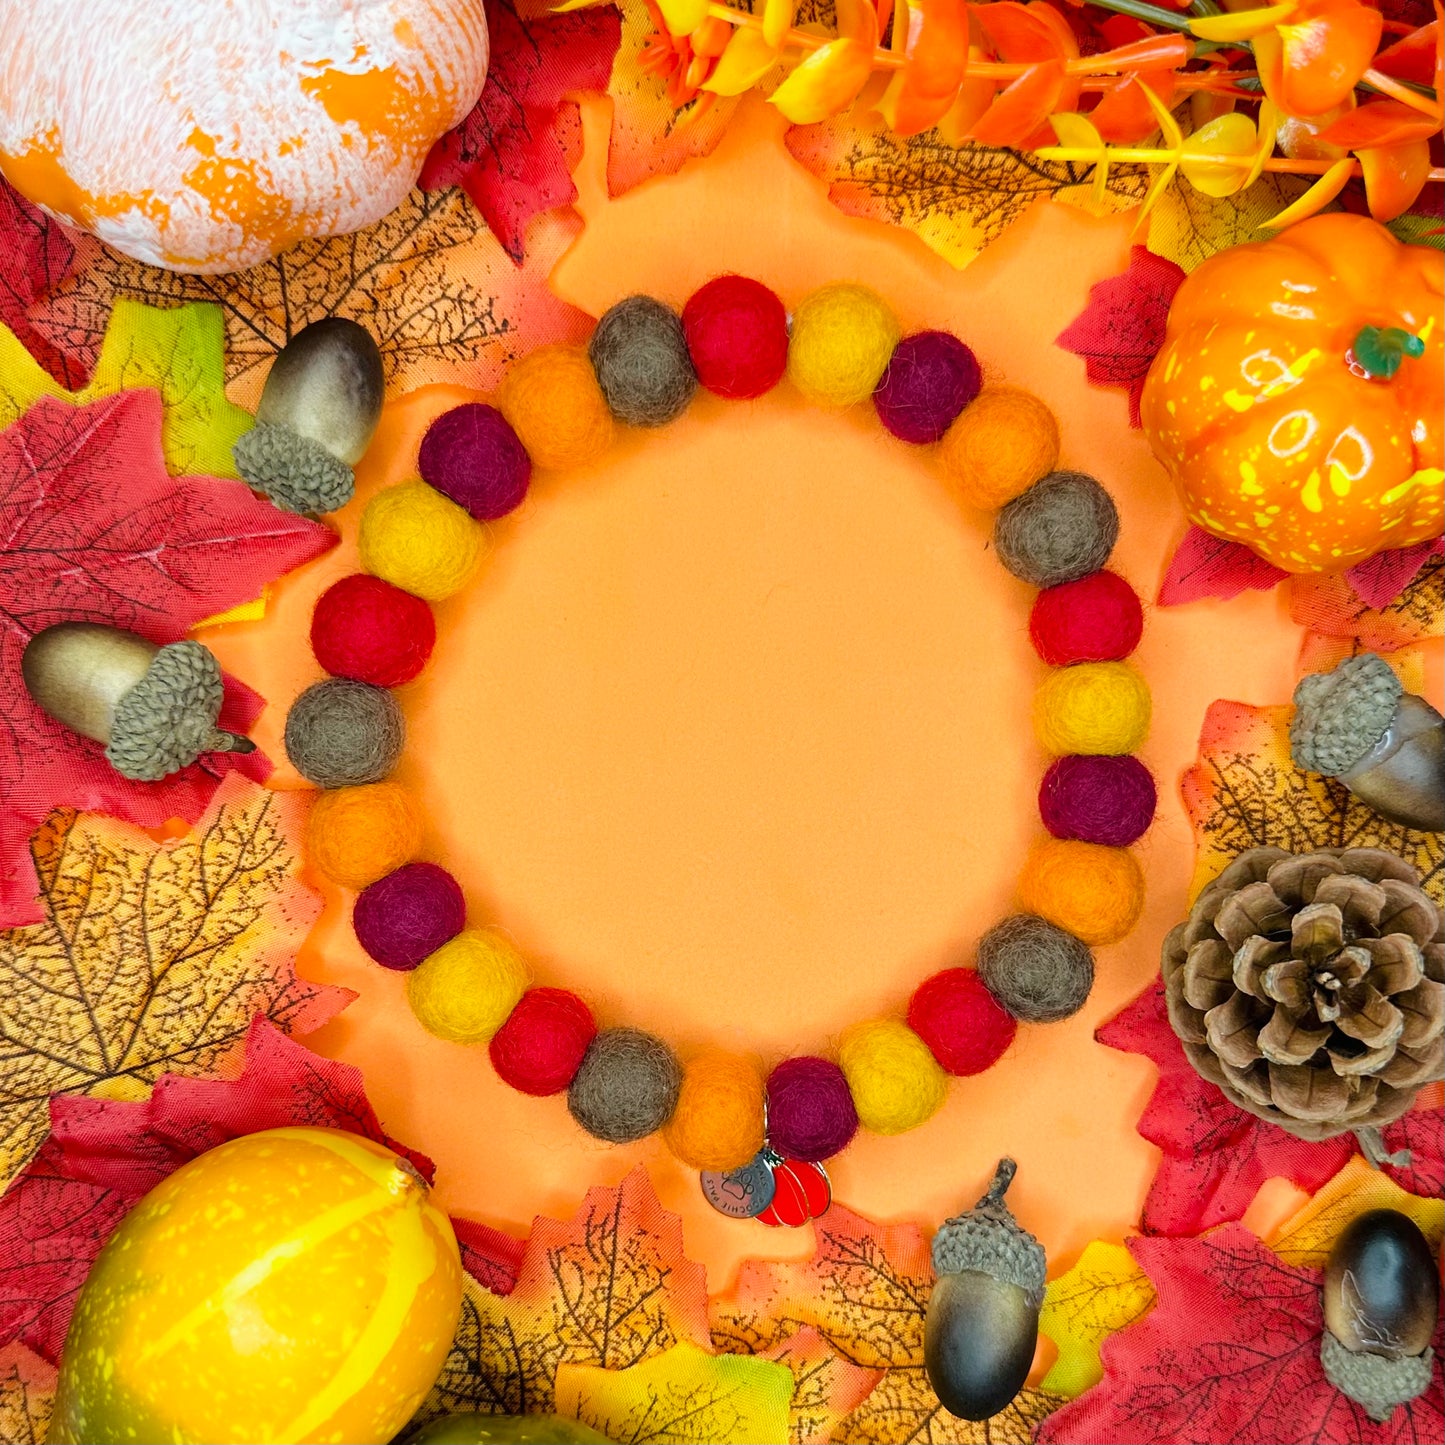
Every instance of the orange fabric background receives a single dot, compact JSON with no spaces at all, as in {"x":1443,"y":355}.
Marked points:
{"x":732,"y":732}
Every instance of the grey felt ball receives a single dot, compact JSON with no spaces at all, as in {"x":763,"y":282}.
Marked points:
{"x":1061,"y":529}
{"x":627,"y":1086}
{"x":341,"y":733}
{"x":639,"y":354}
{"x":1036,"y":971}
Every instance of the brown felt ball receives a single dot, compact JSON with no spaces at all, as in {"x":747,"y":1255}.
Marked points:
{"x":1061,"y":529}
{"x":639,"y":353}
{"x":627,"y":1086}
{"x":1035,"y":970}
{"x":341,"y":733}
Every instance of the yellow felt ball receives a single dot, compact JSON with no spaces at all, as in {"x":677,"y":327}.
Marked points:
{"x":465,"y":990}
{"x":841,"y":340}
{"x":1095,"y":707}
{"x":1003,"y":442}
{"x":895,"y":1081}
{"x":1095,"y":893}
{"x":555,"y":406}
{"x":718,"y":1121}
{"x":418,"y":540}
{"x":356,"y":835}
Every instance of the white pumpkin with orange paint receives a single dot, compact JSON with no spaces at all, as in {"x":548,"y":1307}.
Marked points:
{"x":208,"y":135}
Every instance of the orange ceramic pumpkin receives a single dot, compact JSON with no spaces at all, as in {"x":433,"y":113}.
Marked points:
{"x":1297,"y":399}
{"x":293,"y":1285}
{"x":206,"y":136}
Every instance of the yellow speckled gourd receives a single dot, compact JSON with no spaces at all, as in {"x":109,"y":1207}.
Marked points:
{"x":293,"y":1285}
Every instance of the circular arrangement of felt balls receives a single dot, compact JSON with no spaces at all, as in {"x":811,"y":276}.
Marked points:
{"x":558,"y":408}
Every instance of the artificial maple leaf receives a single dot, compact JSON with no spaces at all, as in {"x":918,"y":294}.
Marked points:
{"x":515,"y":152}
{"x":27,"y":1396}
{"x":1230,"y":1354}
{"x":684,"y":1395}
{"x":432,"y":284}
{"x":1103,"y":1292}
{"x":903,"y":1408}
{"x":1379,"y":580}
{"x":1327,"y":603}
{"x":1189,"y":227}
{"x":611,"y":1287}
{"x":1120,"y":331}
{"x":1206,"y":566}
{"x":826,"y":1387}
{"x":92,"y":529}
{"x":152,"y":957}
{"x":180,"y":351}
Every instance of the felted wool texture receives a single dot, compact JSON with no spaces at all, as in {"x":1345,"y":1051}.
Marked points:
{"x":472,"y":455}
{"x":356,"y":835}
{"x":555,"y":406}
{"x":842,"y":338}
{"x":464,"y":991}
{"x":540,"y":1047}
{"x":1096,"y":707}
{"x":408,"y":914}
{"x":737,"y":336}
{"x":626,"y":1087}
{"x":718,"y":1122}
{"x":1098,"y":799}
{"x":960,"y":1021}
{"x":1061,"y":529}
{"x":894,"y":1079}
{"x":419,"y":541}
{"x":1098,"y":618}
{"x":1095,"y":893}
{"x":1005,"y":441}
{"x":341,"y":733}
{"x":639,"y":354}
{"x":811,"y":1115}
{"x":1035,"y":970}
{"x":366,"y":629}
{"x":930,"y":378}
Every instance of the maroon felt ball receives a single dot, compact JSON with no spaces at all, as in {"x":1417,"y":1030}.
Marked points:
{"x":408,"y":914}
{"x":1108,"y":800}
{"x":1096,"y":619}
{"x":737,"y":336}
{"x":540,"y":1047}
{"x":472,"y":455}
{"x":368,"y":630}
{"x":960,"y":1021}
{"x":930,"y":378}
{"x":810,"y":1110}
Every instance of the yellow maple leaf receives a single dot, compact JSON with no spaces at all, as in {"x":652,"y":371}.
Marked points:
{"x":826,"y":1386}
{"x":27,"y":1396}
{"x":903,"y":1408}
{"x":1102,"y":1293}
{"x":684,"y":1395}
{"x":152,"y":958}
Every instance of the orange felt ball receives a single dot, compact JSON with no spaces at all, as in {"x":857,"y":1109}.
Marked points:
{"x":553,"y":402}
{"x":357,"y":835}
{"x":1003,"y":442}
{"x":1095,"y":893}
{"x":718,"y":1122}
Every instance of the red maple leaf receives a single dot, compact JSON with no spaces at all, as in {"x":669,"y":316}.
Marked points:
{"x":1120,"y":331}
{"x":1230,"y":1354}
{"x":514,"y":154}
{"x":1216,"y":1156}
{"x":1379,"y":580}
{"x":103,"y":1155}
{"x":92,"y":529}
{"x":1204,"y":566}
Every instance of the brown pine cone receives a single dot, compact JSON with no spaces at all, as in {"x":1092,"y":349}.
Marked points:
{"x":1311,"y":987}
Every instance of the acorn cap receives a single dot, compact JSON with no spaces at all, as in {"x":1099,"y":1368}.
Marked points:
{"x":298,"y":474}
{"x":1372,"y":1381}
{"x":987,"y":1238}
{"x":168,"y":719}
{"x":1341,"y":715}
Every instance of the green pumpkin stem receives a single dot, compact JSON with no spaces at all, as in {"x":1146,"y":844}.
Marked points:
{"x":1379,"y":350}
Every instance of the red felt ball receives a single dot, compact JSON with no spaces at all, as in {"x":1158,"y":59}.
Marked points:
{"x":930,"y":378}
{"x":472,"y":455}
{"x":366,"y":629}
{"x":540,"y":1047}
{"x":961,"y":1021}
{"x":737,"y":336}
{"x":1096,"y":619}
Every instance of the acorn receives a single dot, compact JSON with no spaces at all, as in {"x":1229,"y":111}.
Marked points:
{"x":154,"y":708}
{"x":1387,"y":746}
{"x":318,"y":412}
{"x":983,"y":1314}
{"x":1381,"y":1304}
